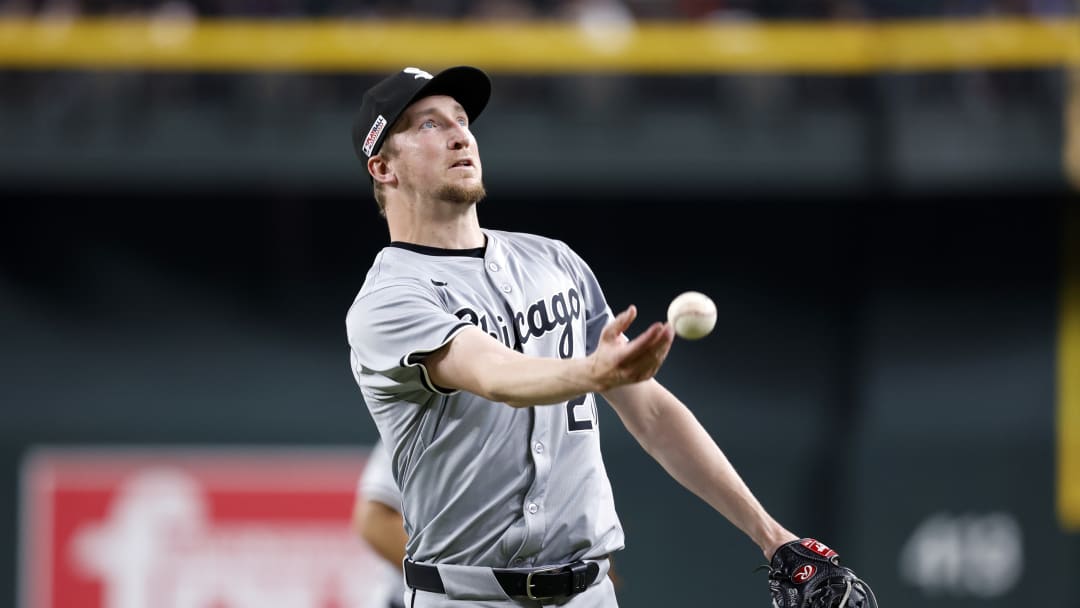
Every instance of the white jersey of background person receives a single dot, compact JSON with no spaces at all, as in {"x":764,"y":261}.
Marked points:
{"x":377,"y":484}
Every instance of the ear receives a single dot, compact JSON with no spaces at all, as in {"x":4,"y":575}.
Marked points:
{"x":380,"y":170}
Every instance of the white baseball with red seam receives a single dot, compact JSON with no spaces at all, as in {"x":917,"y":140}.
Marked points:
{"x":692,"y":314}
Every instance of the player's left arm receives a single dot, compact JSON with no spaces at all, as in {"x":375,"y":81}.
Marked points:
{"x":671,"y":434}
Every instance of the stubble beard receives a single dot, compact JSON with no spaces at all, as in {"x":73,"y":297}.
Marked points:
{"x":463,"y":195}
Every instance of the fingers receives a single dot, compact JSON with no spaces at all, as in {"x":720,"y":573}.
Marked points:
{"x":667,"y":337}
{"x":620,"y":323}
{"x":629,"y":361}
{"x":650,"y":339}
{"x":643,"y":356}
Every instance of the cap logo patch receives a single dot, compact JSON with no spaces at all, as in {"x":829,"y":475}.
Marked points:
{"x":804,"y":574}
{"x":373,"y":135}
{"x":417,"y":73}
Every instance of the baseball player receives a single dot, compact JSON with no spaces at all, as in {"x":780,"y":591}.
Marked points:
{"x":377,"y":519}
{"x":478,"y":353}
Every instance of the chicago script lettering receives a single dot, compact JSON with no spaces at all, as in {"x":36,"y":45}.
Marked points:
{"x":541,"y":317}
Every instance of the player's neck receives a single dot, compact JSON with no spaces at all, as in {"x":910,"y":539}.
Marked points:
{"x":441,"y":226}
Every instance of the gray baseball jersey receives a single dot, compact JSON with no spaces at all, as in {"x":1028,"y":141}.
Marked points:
{"x":485,"y":484}
{"x":377,"y":484}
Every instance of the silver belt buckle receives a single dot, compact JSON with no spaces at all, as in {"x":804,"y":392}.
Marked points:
{"x":529,"y":583}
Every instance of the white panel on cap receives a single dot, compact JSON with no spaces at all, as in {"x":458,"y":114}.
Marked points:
{"x":418,"y":73}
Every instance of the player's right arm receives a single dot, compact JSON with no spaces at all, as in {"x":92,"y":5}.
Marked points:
{"x":475,"y":362}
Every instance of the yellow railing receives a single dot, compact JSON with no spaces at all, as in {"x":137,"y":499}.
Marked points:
{"x":538,"y":47}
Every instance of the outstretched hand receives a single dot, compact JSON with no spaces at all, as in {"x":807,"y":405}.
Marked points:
{"x":618,"y":361}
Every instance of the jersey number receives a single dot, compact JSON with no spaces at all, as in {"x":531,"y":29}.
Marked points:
{"x":580,"y":416}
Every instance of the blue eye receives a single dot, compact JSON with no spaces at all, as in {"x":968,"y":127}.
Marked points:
{"x":463,"y":122}
{"x":427,"y":124}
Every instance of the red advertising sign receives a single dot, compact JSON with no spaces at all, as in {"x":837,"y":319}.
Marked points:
{"x":194,"y":528}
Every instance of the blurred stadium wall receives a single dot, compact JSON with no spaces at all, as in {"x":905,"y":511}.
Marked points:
{"x":879,"y":203}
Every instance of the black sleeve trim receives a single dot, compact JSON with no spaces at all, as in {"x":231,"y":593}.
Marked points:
{"x":415,"y":359}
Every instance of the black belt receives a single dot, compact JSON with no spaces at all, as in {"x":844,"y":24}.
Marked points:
{"x":539,"y":584}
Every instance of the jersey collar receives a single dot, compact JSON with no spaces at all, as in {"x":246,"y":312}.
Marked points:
{"x":477,"y":252}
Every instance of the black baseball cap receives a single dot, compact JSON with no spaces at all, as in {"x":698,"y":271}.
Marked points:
{"x":383,"y":103}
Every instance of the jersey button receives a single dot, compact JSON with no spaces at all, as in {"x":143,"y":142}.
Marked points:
{"x":533,"y":508}
{"x":507,"y":288}
{"x":517,"y":561}
{"x":539,"y":448}
{"x":493,"y":267}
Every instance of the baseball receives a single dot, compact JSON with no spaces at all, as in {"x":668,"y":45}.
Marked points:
{"x":692,"y":314}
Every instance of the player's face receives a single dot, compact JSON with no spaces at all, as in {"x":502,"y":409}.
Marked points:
{"x":436,"y":154}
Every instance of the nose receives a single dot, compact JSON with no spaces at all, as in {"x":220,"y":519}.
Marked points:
{"x":459,"y":138}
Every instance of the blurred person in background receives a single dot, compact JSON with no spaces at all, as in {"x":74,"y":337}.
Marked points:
{"x":377,"y":519}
